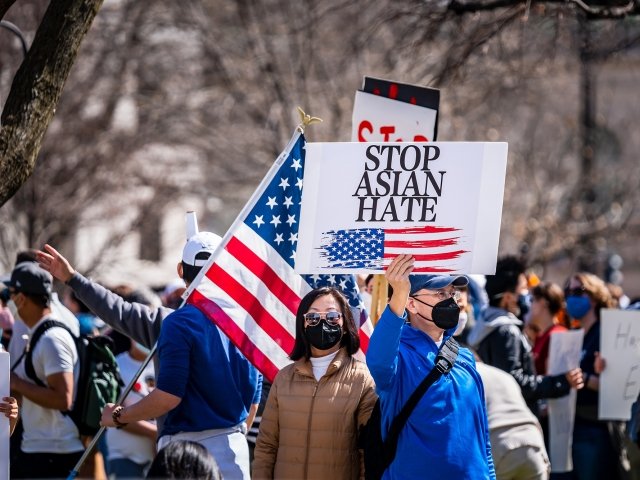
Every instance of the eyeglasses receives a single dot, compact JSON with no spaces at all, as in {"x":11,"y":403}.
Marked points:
{"x":442,"y":294}
{"x":313,"y":318}
{"x":575,"y":292}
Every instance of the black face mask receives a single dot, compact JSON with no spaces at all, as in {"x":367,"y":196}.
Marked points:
{"x":323,"y":336}
{"x":445,"y":313}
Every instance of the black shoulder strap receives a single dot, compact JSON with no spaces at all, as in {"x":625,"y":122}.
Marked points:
{"x":444,"y":363}
{"x":28,"y":361}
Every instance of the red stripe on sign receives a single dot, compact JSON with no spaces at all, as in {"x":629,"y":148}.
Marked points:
{"x":427,"y":229}
{"x":265,"y":273}
{"x":432,"y":257}
{"x":259,"y":359}
{"x":445,"y":242}
{"x":252,"y":305}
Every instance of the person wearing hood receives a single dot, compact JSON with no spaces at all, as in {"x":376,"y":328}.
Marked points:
{"x":499,"y":341}
{"x":447,"y":434}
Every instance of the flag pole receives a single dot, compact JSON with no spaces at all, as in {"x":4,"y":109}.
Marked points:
{"x":96,"y":438}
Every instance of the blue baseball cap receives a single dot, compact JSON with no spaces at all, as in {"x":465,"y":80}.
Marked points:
{"x":435,"y":282}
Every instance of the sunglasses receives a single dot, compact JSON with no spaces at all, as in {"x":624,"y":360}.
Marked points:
{"x":313,"y":318}
{"x":575,"y":292}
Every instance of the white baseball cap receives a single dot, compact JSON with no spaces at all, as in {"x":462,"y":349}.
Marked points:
{"x":200,"y":242}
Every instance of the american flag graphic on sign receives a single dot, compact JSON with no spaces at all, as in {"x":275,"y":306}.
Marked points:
{"x":432,"y":247}
{"x":249,"y":288}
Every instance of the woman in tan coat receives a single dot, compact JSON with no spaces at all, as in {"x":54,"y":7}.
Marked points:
{"x":309,"y":427}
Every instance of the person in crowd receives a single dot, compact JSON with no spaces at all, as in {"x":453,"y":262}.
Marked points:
{"x":6,"y":319}
{"x":517,"y":443}
{"x":447,"y":435}
{"x":596,"y":448}
{"x":184,"y":459}
{"x":317,"y":404}
{"x":547,"y":306}
{"x":207,"y":389}
{"x":20,"y":335}
{"x":51,"y":444}
{"x":9,"y":408}
{"x":172,"y":294}
{"x":132,"y":448}
{"x":89,"y":323}
{"x":499,"y":341}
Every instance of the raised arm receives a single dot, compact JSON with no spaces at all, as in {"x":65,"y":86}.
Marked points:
{"x":382,"y":355}
{"x":135,"y":320}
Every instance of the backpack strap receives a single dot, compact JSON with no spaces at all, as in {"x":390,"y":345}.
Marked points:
{"x":445,"y":360}
{"x":28,"y":360}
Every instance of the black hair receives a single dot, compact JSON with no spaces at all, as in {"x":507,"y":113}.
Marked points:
{"x":81,"y":305}
{"x":26,"y":256}
{"x":190,"y":272}
{"x":350,"y":338}
{"x":368,"y":279}
{"x":184,"y":459}
{"x":41,"y":300}
{"x":508,"y":271}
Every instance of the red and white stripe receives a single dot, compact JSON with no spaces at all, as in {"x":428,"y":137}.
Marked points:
{"x":253,"y":295}
{"x":435,"y":249}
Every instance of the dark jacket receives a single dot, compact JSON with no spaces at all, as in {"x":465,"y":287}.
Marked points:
{"x":499,"y":342}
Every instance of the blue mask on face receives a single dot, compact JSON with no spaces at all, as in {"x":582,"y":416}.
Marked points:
{"x":578,"y":306}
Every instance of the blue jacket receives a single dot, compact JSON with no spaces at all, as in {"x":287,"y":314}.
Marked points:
{"x":447,"y":435}
{"x":216,"y":383}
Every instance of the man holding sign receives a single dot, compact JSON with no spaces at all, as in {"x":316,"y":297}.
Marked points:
{"x":446,"y":435}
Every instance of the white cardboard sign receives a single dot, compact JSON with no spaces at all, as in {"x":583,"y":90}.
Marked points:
{"x":380,"y":119}
{"x":564,"y":354}
{"x":4,"y":421}
{"x":620,"y":348}
{"x":365,"y":203}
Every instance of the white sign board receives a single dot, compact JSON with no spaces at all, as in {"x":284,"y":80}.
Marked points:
{"x":4,"y":421}
{"x":620,"y":348}
{"x":565,"y":349}
{"x":380,"y":119}
{"x":365,"y":203}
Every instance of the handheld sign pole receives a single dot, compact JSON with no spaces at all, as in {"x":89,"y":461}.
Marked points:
{"x":74,"y":473}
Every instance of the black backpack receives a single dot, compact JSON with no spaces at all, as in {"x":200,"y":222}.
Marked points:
{"x":99,"y":381}
{"x":379,"y":454}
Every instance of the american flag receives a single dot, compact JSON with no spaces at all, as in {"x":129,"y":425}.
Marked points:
{"x":249,"y":288}
{"x":434,"y":248}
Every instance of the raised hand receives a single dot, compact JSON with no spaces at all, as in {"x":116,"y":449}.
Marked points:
{"x":54,"y":263}
{"x":397,"y":275}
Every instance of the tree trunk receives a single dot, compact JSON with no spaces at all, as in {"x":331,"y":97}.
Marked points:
{"x":37,"y":87}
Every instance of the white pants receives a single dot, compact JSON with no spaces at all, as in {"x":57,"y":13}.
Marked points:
{"x":227,"y":445}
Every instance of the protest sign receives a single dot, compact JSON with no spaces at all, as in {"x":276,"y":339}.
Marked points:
{"x":365,"y":203}
{"x":564,"y":355}
{"x":4,"y":421}
{"x":379,"y":119}
{"x":387,"y":111}
{"x":620,"y":348}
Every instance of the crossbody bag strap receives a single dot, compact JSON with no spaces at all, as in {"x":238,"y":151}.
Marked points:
{"x":444,"y":363}
{"x":28,"y":361}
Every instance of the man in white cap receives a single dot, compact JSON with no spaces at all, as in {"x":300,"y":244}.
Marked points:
{"x":446,"y":434}
{"x":207,"y":389}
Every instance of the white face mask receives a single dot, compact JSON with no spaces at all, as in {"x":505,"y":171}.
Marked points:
{"x":462,"y":322}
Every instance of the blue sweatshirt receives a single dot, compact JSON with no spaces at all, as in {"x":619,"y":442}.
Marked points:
{"x":216,"y":383}
{"x":447,"y":435}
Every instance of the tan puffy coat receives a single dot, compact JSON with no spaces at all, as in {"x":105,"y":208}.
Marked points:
{"x":309,"y":428}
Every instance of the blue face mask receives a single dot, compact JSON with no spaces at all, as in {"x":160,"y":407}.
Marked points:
{"x":578,"y":307}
